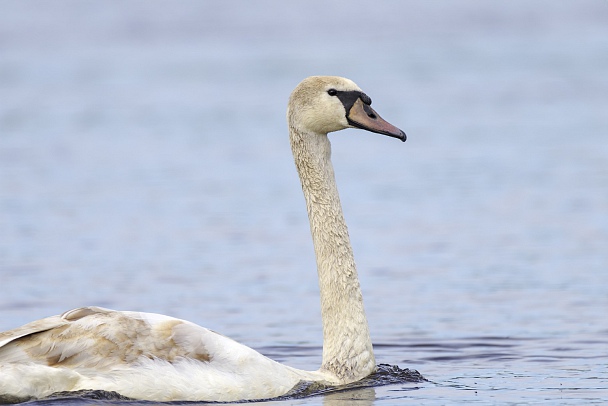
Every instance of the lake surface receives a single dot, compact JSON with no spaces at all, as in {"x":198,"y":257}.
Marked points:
{"x":145,"y":165}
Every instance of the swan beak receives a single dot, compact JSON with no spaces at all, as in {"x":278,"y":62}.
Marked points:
{"x":361,"y":115}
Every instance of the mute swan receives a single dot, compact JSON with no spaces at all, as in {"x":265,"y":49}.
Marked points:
{"x":159,"y":358}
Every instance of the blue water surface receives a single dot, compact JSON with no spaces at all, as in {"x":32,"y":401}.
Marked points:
{"x":145,"y":165}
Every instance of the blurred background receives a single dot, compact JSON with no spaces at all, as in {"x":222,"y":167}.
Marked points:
{"x":145,"y":165}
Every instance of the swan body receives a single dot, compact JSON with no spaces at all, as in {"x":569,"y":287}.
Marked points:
{"x":139,"y":355}
{"x":159,"y":358}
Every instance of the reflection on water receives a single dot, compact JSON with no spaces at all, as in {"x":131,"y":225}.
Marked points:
{"x":144,"y":165}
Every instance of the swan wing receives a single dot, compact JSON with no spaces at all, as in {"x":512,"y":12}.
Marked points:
{"x":140,"y":355}
{"x":34,"y":327}
{"x":94,"y":337}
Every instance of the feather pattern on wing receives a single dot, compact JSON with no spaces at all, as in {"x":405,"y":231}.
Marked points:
{"x":140,"y":355}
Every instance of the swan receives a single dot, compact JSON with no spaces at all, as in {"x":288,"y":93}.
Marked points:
{"x":160,"y":358}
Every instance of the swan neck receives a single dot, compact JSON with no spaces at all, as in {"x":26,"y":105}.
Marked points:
{"x":347,"y":347}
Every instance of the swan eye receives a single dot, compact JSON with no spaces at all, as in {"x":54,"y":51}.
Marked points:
{"x":332,"y":92}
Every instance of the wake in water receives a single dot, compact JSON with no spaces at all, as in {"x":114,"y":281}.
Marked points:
{"x":385,"y":375}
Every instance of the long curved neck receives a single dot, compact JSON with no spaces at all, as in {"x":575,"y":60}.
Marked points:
{"x":347,"y":346}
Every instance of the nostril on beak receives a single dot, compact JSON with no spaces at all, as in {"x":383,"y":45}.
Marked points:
{"x":372,"y":115}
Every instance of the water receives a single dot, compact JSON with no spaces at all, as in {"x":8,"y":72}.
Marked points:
{"x":144,"y":165}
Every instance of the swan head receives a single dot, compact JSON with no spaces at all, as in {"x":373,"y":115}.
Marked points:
{"x":322,"y":104}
